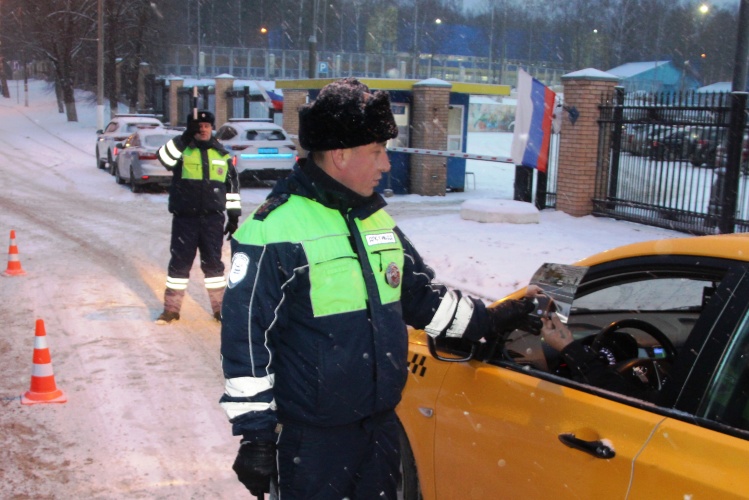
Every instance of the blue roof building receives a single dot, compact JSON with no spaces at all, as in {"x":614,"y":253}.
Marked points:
{"x":654,"y":77}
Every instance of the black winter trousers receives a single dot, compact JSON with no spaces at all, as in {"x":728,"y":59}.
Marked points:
{"x":190,"y":234}
{"x":359,"y":461}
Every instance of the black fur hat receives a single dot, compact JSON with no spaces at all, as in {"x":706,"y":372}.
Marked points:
{"x":345,"y":115}
{"x":204,"y":116}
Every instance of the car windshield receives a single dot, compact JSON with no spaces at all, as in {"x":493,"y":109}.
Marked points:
{"x":132,"y":127}
{"x":265,"y":135}
{"x":156,"y":141}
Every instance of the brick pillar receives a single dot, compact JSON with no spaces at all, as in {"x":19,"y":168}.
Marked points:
{"x":292,"y":101}
{"x":223,"y":83}
{"x":578,"y":147}
{"x":431,"y":101}
{"x":143,"y":70}
{"x":175,"y":84}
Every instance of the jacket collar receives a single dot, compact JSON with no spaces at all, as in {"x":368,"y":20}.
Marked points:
{"x":309,"y":180}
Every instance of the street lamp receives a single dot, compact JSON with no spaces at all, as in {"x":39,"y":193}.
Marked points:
{"x":437,"y":22}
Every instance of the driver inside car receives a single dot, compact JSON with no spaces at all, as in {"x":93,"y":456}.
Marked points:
{"x":589,"y":365}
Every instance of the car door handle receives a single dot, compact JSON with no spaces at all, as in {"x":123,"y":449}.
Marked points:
{"x":598,"y":449}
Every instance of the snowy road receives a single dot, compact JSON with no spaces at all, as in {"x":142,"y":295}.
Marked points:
{"x":141,"y":421}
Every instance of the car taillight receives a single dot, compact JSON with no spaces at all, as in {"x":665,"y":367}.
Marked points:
{"x":115,"y":151}
{"x":238,"y":148}
{"x":147,"y":156}
{"x":234,"y":161}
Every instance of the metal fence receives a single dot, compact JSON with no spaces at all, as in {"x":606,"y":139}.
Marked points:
{"x":277,"y":64}
{"x":677,"y":161}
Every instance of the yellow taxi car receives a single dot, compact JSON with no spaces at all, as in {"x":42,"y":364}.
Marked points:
{"x":504,"y":421}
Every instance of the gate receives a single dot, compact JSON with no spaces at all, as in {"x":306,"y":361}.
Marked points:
{"x":677,"y":161}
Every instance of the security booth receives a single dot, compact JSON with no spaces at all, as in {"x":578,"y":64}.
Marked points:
{"x":432,"y":118}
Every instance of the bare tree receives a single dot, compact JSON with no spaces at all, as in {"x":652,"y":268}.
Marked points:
{"x":59,"y":30}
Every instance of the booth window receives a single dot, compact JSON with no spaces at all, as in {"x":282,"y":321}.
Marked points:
{"x":401,"y":112}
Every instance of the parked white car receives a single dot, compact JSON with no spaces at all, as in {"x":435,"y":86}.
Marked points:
{"x":262,"y":151}
{"x":136,"y":162}
{"x":118,"y":130}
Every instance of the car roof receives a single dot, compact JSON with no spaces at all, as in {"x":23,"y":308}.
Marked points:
{"x":141,"y":115}
{"x":156,"y":131}
{"x":723,"y":246}
{"x":252,"y":124}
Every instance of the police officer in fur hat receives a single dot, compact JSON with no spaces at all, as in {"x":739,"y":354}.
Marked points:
{"x":204,"y":186}
{"x":321,"y":287}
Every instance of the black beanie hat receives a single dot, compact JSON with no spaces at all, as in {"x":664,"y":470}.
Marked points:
{"x":345,"y":115}
{"x":204,"y":116}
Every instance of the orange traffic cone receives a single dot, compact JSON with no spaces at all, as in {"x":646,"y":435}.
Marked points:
{"x":14,"y":265}
{"x":43,"y":388}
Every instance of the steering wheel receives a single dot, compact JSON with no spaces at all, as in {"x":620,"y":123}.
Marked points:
{"x":643,"y":371}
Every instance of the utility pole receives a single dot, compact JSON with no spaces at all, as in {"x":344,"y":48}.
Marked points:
{"x":3,"y":76}
{"x":742,"y":49}
{"x":100,"y":69}
{"x":312,"y":62}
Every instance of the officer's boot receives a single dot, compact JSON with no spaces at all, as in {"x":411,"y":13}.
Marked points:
{"x":216,"y":296}
{"x":172,"y":305}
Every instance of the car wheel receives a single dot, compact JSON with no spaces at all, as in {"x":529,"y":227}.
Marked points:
{"x":111,"y":162}
{"x":117,"y":177}
{"x":100,"y":164}
{"x":409,"y":488}
{"x":134,"y":187}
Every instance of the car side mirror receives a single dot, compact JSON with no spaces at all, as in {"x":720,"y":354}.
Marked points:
{"x":99,"y":132}
{"x":444,"y":352}
{"x":119,"y":145}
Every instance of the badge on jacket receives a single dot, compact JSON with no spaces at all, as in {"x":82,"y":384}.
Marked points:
{"x":393,"y":275}
{"x":239,"y":264}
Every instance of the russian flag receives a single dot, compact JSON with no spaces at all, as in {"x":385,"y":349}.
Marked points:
{"x":533,"y":115}
{"x":276,"y":100}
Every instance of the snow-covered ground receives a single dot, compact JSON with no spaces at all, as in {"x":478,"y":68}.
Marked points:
{"x":142,"y":418}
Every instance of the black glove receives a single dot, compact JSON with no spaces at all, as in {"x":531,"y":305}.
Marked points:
{"x":255,"y":464}
{"x":514,"y":314}
{"x":187,"y":137}
{"x":231,"y":225}
{"x":193,"y":127}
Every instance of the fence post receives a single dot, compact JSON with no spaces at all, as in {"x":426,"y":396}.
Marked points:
{"x":431,"y":100}
{"x":727,"y":220}
{"x":175,"y":84}
{"x":224,"y":102}
{"x":616,"y":143}
{"x":246,"y":97}
{"x":578,"y":146}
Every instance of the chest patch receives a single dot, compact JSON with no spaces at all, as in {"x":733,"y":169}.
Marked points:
{"x":380,"y":239}
{"x":239,"y":264}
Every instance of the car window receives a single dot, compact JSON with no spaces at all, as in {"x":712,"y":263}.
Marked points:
{"x":647,"y":295}
{"x":155,"y":141}
{"x":226,"y":133}
{"x":727,"y":399}
{"x":265,"y":135}
{"x":668,"y":302}
{"x":111,"y":127}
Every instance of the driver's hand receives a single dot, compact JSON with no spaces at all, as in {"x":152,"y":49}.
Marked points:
{"x":555,"y":333}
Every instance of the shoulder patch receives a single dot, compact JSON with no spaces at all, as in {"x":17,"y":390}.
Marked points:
{"x":270,"y":205}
